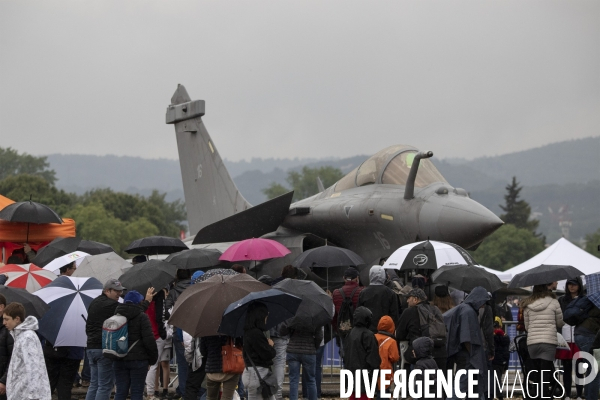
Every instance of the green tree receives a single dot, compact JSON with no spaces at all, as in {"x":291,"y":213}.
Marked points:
{"x":592,"y":241}
{"x":12,"y":163}
{"x":507,"y":247}
{"x":21,"y":187}
{"x":517,"y":211}
{"x":304,"y":183}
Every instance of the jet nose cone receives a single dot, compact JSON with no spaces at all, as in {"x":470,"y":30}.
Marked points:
{"x":463,"y":221}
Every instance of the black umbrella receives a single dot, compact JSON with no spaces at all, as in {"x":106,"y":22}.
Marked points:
{"x":30,"y":212}
{"x":544,"y":274}
{"x":194,"y":258}
{"x":94,"y":248}
{"x":502,"y":294}
{"x":328,"y":257}
{"x":154,"y":273}
{"x":316,"y":308}
{"x":56,"y":248}
{"x":466,"y":278}
{"x":156,"y":245}
{"x":33,"y":304}
{"x":282,"y":306}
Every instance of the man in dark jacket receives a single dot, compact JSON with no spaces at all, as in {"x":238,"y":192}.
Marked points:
{"x":183,"y":282}
{"x":101,"y":369}
{"x":465,"y":341}
{"x":130,"y":371}
{"x":6,"y":346}
{"x":409,"y":327}
{"x":361,"y":350}
{"x":350,"y":289}
{"x":378,"y":298}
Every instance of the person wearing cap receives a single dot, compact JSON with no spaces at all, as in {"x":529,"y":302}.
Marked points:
{"x":378,"y":298}
{"x":409,"y":326}
{"x":131,"y":370}
{"x":101,"y":369}
{"x":351,"y":289}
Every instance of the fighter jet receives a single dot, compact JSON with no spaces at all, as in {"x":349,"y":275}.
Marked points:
{"x":395,"y":197}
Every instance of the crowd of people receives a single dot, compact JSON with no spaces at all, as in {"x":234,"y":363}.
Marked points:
{"x":388,"y":324}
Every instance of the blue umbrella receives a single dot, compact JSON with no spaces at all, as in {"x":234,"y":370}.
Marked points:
{"x":281,"y":306}
{"x":69,"y":299}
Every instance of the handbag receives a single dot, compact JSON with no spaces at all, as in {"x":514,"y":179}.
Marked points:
{"x":268,"y":385}
{"x":233,"y":360}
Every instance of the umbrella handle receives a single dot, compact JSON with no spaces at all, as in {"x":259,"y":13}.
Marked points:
{"x":84,"y":318}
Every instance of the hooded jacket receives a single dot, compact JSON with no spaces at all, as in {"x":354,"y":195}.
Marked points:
{"x":388,"y":348}
{"x":27,"y":377}
{"x":256,"y":345}
{"x":360,"y":345}
{"x":464,"y":333}
{"x":423,"y":348}
{"x":378,"y":298}
{"x":541,"y":318}
{"x":138,"y":328}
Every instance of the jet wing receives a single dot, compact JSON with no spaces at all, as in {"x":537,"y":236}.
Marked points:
{"x":251,"y":223}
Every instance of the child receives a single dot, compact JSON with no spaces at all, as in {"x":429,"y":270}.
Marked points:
{"x":388,"y":348}
{"x":27,"y":377}
{"x":360,"y":347}
{"x":501,"y":356}
{"x":423,"y":353}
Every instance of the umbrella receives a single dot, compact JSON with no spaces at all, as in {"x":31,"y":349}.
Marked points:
{"x":102,"y":267}
{"x":153,"y":273}
{"x":254,"y":250}
{"x":194,"y":258}
{"x":27,"y":276}
{"x":466,"y":278}
{"x":316,"y":308}
{"x":61,"y":261}
{"x":282,"y":306}
{"x":94,"y":248}
{"x":199,"y":308}
{"x":56,"y":248}
{"x":217,"y":271}
{"x":544,"y":274}
{"x":428,"y":255}
{"x":69,"y":299}
{"x":502,"y":294}
{"x":30,"y":212}
{"x":33,"y":304}
{"x":156,"y":245}
{"x":327,"y":257}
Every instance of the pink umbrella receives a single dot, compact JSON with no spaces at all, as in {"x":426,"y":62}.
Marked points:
{"x":254,"y":250}
{"x":27,"y":276}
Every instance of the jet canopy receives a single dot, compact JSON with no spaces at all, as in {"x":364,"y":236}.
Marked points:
{"x":391,"y":166}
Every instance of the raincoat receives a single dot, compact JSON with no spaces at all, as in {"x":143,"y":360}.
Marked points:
{"x":360,"y":345}
{"x":388,"y":349}
{"x":465,"y":339}
{"x":27,"y":377}
{"x":378,"y":298}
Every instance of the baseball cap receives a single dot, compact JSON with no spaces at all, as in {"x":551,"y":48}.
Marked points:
{"x":418,"y":293}
{"x":113,"y":284}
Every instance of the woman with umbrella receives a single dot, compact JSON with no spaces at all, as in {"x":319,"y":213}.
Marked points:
{"x":258,"y":350}
{"x":542,"y":316}
{"x":211,"y":347}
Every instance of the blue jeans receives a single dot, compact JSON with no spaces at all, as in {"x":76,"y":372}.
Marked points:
{"x":585,"y":344}
{"x":130,"y":375}
{"x":308,"y":362}
{"x":318,"y":373}
{"x":182,"y":367}
{"x":101,"y":375}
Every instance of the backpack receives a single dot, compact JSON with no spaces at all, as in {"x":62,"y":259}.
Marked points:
{"x":432,"y":324}
{"x":115,"y":338}
{"x":344,"y":319}
{"x":577,"y":311}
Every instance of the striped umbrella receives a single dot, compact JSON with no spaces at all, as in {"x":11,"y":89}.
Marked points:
{"x":428,"y":255}
{"x":69,"y":299}
{"x":27,"y":276}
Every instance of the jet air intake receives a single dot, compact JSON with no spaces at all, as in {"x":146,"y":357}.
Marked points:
{"x":409,"y":191}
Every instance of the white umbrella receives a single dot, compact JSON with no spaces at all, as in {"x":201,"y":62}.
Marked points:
{"x":428,"y":254}
{"x":60,"y":262}
{"x":102,"y":267}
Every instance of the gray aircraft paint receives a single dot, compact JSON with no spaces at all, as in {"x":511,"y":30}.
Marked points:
{"x":371,"y":220}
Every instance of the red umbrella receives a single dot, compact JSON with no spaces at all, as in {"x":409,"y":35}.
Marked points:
{"x":27,"y":276}
{"x":254,"y":250}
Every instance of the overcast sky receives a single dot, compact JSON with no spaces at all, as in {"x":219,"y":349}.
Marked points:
{"x":299,"y":78}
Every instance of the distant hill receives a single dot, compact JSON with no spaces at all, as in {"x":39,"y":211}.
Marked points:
{"x":565,"y":174}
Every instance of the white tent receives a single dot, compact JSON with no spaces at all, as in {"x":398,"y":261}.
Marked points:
{"x":562,"y":252}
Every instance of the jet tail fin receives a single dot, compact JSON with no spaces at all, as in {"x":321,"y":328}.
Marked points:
{"x":210,"y":193}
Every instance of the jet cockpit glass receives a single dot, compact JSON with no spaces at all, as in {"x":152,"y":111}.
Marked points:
{"x":369,"y":170}
{"x":396,"y":173}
